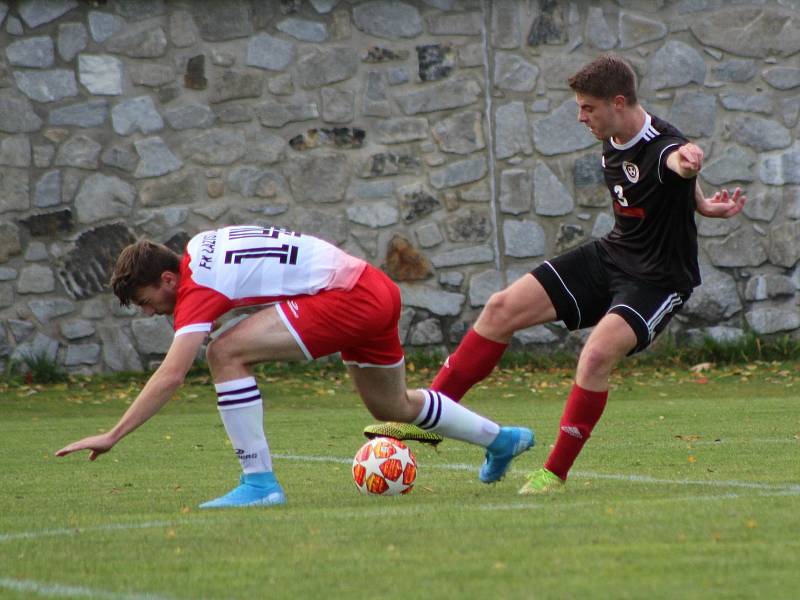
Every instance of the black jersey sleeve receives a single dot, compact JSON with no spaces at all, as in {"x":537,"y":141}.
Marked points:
{"x":665,"y":144}
{"x":665,"y":147}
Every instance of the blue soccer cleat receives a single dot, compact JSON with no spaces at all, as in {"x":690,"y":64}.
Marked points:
{"x":510,"y":442}
{"x":254,"y":489}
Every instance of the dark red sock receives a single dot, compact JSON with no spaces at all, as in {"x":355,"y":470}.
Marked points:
{"x":471,"y":362}
{"x":581,"y":414}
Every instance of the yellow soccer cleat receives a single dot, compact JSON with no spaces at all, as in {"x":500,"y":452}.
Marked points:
{"x":542,"y":482}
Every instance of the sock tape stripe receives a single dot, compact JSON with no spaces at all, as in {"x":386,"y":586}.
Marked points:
{"x":429,"y":414}
{"x":239,"y":400}
{"x":252,"y":388}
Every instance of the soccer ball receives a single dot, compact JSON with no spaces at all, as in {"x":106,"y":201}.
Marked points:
{"x":384,"y":467}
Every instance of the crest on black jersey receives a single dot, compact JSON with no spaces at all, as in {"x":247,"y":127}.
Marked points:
{"x":631,"y":171}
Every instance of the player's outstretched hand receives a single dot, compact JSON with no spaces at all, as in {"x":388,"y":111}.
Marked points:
{"x":722,"y":204}
{"x":96,"y":444}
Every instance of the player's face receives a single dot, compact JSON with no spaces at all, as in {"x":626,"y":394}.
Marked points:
{"x":157,"y":299}
{"x":599,"y":115}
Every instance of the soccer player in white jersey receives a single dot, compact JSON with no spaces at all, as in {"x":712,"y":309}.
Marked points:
{"x":627,"y":285}
{"x":320,"y":301}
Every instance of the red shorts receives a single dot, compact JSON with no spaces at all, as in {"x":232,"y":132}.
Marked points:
{"x":361,"y":323}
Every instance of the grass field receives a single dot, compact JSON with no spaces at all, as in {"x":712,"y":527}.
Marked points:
{"x":689,"y":488}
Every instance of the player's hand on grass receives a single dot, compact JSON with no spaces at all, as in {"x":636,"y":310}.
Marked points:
{"x":722,"y":204}
{"x":96,"y":444}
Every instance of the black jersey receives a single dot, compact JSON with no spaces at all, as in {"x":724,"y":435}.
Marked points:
{"x":654,"y":237}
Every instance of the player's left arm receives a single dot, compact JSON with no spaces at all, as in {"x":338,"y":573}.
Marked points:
{"x":721,"y":205}
{"x":686,"y":161}
{"x":156,"y":393}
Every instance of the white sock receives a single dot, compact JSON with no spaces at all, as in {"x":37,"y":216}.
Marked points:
{"x":443,"y":415}
{"x":242,"y":413}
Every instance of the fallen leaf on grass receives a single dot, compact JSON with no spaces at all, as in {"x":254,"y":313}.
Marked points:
{"x":688,"y":438}
{"x":700,"y":367}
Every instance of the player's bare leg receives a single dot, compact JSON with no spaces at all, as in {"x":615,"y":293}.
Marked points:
{"x":260,"y":337}
{"x":522,"y":304}
{"x":384,"y":392}
{"x":610,"y":341}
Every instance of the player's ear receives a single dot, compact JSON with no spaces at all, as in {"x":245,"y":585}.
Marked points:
{"x":620,"y":102}
{"x":169,"y":278}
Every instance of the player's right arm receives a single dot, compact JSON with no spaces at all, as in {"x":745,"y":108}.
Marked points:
{"x":155,"y":394}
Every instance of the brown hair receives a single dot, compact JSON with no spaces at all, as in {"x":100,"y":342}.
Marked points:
{"x":141,"y":264}
{"x":605,"y":77}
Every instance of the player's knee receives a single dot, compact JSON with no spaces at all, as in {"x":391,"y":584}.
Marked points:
{"x":219,"y":351}
{"x":497,"y":313}
{"x":596,"y":360}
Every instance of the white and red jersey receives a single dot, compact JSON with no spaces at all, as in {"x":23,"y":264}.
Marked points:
{"x":248,"y":264}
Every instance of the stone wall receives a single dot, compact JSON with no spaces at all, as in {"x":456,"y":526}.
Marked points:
{"x":435,"y":138}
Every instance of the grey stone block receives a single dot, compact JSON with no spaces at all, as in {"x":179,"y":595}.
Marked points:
{"x":47,"y":86}
{"x":435,"y":301}
{"x":37,"y":52}
{"x":388,"y":19}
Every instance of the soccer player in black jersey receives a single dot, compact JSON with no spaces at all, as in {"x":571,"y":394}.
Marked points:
{"x":627,"y":285}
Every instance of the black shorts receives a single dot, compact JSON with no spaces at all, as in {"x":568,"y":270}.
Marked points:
{"x":584,"y":285}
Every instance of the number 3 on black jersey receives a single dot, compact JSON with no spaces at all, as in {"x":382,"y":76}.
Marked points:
{"x":620,"y":197}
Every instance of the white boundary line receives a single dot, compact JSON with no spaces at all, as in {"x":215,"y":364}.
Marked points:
{"x":60,"y":590}
{"x":581,"y":474}
{"x":390,"y":508}
{"x":30,"y":535}
{"x":729,"y":443}
{"x":646,"y":479}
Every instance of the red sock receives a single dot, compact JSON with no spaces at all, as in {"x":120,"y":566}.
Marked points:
{"x":471,"y":362}
{"x":581,"y":414}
